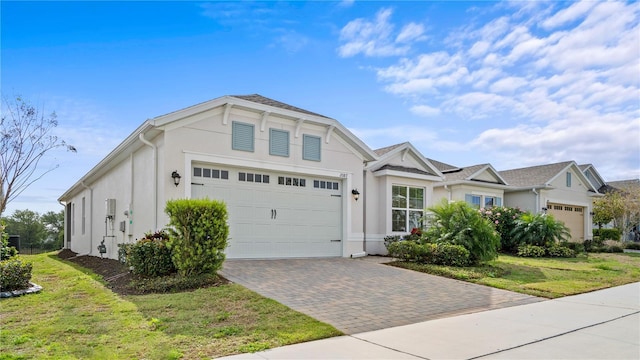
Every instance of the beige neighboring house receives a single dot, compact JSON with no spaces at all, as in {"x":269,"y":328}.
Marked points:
{"x":560,"y":189}
{"x":479,"y":185}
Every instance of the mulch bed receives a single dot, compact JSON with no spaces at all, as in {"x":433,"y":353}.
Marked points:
{"x":116,"y":274}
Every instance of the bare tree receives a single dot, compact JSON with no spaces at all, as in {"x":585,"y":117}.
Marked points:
{"x":25,"y":137}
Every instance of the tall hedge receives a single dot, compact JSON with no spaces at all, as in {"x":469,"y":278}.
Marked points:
{"x":198,"y":233}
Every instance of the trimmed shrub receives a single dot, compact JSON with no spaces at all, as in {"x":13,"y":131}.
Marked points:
{"x":197,"y":235}
{"x":561,"y":251}
{"x":632,"y":246}
{"x":614,"y":249}
{"x":458,"y":223}
{"x":406,"y":250}
{"x":531,"y":251}
{"x":451,"y":255}
{"x":149,"y":256}
{"x":14,"y":274}
{"x":388,"y":240}
{"x":607,"y":234}
{"x":540,"y":230}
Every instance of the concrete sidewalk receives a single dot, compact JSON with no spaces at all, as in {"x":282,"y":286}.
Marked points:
{"x":604,"y":324}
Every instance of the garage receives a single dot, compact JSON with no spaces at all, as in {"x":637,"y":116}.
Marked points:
{"x":572,"y":216}
{"x":275,"y":215}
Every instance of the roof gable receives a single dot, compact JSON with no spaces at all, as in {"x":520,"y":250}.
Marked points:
{"x":396,"y":157}
{"x":543,"y":175}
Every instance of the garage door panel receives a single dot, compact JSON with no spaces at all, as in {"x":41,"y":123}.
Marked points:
{"x":572,"y":216}
{"x":274,"y":220}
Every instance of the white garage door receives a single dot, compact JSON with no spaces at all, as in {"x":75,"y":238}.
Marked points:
{"x":275,"y":215}
{"x":572,"y":216}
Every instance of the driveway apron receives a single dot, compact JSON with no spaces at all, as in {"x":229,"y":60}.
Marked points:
{"x":359,"y":295}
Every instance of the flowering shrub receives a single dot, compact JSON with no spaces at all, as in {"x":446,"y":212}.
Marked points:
{"x":504,"y":221}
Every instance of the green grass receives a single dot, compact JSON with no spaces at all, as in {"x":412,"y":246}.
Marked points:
{"x":549,"y":278}
{"x":77,"y":317}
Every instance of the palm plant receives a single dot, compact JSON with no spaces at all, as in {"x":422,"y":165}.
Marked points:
{"x":459,"y":224}
{"x":539,"y":230}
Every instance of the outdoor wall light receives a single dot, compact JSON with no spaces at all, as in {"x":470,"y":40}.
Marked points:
{"x":176,"y":177}
{"x":356,"y":194}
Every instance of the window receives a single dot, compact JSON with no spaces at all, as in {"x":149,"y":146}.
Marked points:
{"x":210,"y":173}
{"x":329,"y":185}
{"x":478,"y":201}
{"x":289,"y":181}
{"x":568,"y":179}
{"x":407,"y":208}
{"x":473,"y":200}
{"x":278,"y":142}
{"x":242,"y":136}
{"x":311,"y":148}
{"x":257,"y":178}
{"x":83,"y":216}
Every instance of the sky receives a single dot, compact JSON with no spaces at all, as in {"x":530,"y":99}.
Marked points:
{"x":513,"y":84}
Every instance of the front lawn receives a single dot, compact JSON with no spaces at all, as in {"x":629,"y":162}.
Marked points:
{"x":77,"y":317}
{"x":545,"y":277}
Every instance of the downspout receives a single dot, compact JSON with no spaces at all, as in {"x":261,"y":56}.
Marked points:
{"x":64,"y":237}
{"x":537,"y":200}
{"x":90,"y":217}
{"x":364,"y":210}
{"x":155,"y":178}
{"x":446,"y":187}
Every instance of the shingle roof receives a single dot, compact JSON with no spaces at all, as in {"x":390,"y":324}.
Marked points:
{"x":534,"y":175}
{"x":443,"y":167}
{"x":405,"y":169}
{"x":257,"y":98}
{"x":624,"y":184}
{"x":387,"y":149}
{"x":462,"y":173}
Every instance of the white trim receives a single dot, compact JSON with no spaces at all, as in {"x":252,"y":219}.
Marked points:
{"x":408,"y":175}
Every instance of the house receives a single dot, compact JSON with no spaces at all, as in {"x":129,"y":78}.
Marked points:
{"x":479,"y":185}
{"x":560,"y":189}
{"x":286,"y":174}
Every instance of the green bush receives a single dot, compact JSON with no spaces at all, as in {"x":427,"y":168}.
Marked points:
{"x":561,"y":251}
{"x":149,"y":256}
{"x":504,"y":220}
{"x":540,"y":230}
{"x":531,"y":251}
{"x":6,"y":251}
{"x":613,"y":249}
{"x":607,"y":234}
{"x":578,"y":248}
{"x":405,"y":250}
{"x":458,"y":223}
{"x":197,"y":235}
{"x":632,"y":246}
{"x":14,"y":274}
{"x":388,"y":240}
{"x":451,"y":255}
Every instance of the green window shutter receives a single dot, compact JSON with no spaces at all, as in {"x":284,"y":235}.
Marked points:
{"x":243,"y":137}
{"x":311,"y":148}
{"x":278,"y":142}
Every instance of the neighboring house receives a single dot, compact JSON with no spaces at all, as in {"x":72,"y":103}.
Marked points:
{"x":479,"y":185}
{"x":399,"y":187}
{"x":560,"y":189}
{"x":286,"y":175}
{"x":630,"y":221}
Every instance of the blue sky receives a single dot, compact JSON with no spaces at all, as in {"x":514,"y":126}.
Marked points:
{"x":513,"y":84}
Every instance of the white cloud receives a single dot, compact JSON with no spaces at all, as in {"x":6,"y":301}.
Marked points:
{"x":550,"y":82}
{"x":375,"y":38}
{"x":425,"y":111}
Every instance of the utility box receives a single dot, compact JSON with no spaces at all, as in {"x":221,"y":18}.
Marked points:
{"x":123,"y":226}
{"x":110,"y":205}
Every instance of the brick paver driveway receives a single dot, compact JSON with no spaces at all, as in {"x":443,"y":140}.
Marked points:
{"x":358,"y":295}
